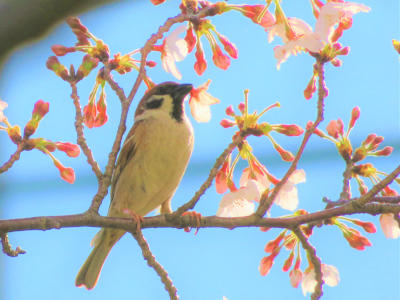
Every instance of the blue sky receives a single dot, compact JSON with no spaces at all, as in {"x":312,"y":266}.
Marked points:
{"x":215,"y":262}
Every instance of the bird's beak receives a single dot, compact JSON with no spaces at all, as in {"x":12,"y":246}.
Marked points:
{"x":182,"y":90}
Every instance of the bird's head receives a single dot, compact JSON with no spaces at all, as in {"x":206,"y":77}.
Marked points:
{"x":166,"y":97}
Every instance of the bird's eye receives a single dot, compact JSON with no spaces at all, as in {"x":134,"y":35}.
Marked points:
{"x":154,"y":103}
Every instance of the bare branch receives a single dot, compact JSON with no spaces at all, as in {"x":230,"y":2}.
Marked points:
{"x":161,"y":221}
{"x":13,"y":158}
{"x":151,"y":261}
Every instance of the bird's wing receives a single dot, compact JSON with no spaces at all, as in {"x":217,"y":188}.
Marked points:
{"x":127,"y":152}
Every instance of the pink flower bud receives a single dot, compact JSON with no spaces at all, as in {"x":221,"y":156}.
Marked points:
{"x":190,"y":39}
{"x":288,"y":262}
{"x":89,"y":114}
{"x":71,"y":150}
{"x":229,"y":47}
{"x":289,"y":130}
{"x":336,"y":62}
{"x":311,"y":88}
{"x":367,"y":226}
{"x":229,"y":111}
{"x":227,"y":123}
{"x":201,"y":64}
{"x":296,"y":277}
{"x":67,"y":174}
{"x":285,"y":155}
{"x":355,"y":114}
{"x":335,"y":128}
{"x":266,"y":264}
{"x":242,"y":107}
{"x":151,"y":63}
{"x":88,"y":64}
{"x":54,"y":65}
{"x":375,"y":143}
{"x":385,"y":151}
{"x":40,"y":109}
{"x":271,"y":246}
{"x":220,"y":59}
{"x":61,"y":50}
{"x":355,"y":239}
{"x":253,"y":11}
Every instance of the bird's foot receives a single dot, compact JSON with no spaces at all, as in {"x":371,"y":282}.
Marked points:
{"x":195,"y":217}
{"x":137,"y":218}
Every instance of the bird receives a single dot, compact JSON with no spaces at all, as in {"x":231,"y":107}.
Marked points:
{"x":149,"y":168}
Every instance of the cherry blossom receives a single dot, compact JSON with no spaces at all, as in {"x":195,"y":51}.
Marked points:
{"x":389,"y":226}
{"x":172,"y":50}
{"x":3,"y":106}
{"x":200,"y":101}
{"x":330,"y":276}
{"x":287,"y":197}
{"x":304,"y":38}
{"x":240,"y":203}
{"x":333,"y":13}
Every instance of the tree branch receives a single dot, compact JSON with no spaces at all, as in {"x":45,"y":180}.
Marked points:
{"x":151,"y":261}
{"x":316,"y":262}
{"x":93,"y":220}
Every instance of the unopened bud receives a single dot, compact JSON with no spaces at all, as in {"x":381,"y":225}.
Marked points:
{"x":384,"y":152}
{"x":242,"y":107}
{"x":71,"y":150}
{"x":229,"y":111}
{"x":61,"y":50}
{"x":355,"y":114}
{"x":289,"y":130}
{"x":227,"y":123}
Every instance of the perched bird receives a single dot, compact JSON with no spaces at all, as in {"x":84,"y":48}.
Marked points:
{"x":149,"y":168}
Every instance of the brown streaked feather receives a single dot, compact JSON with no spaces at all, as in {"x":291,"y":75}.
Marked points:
{"x":127,"y":152}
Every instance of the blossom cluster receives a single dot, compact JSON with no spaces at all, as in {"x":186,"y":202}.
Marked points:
{"x":40,"y":109}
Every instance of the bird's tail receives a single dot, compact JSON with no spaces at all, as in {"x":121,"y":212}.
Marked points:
{"x":90,"y":271}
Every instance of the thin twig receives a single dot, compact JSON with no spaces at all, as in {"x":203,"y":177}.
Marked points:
{"x":151,"y":261}
{"x":316,"y":262}
{"x":13,"y":158}
{"x":7,"y":249}
{"x":80,"y":135}
{"x":266,"y":202}
{"x":345,"y":194}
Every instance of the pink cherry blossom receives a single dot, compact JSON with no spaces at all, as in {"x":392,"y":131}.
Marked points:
{"x":240,"y":202}
{"x":330,"y":276}
{"x":334,"y":13}
{"x":260,"y":179}
{"x":172,"y":50}
{"x":304,"y":38}
{"x":3,"y":106}
{"x":200,"y":101}
{"x":389,"y":226}
{"x":287,"y":197}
